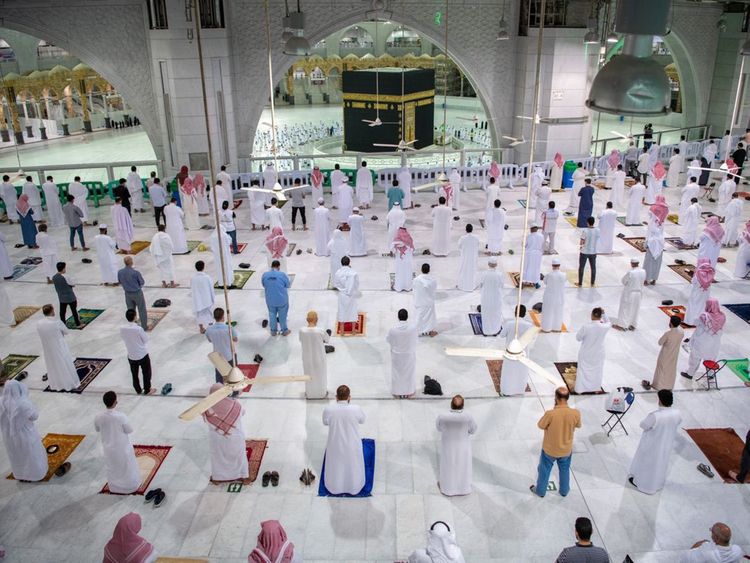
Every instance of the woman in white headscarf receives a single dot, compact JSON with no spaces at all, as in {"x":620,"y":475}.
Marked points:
{"x":28,"y":459}
{"x":441,"y":547}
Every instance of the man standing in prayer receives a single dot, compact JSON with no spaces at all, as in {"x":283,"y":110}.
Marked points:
{"x":346,"y":281}
{"x":202,"y":291}
{"x":61,"y":371}
{"x":27,"y":456}
{"x":585,"y":203}
{"x":219,"y":335}
{"x":337,"y":249}
{"x":132,"y":284}
{"x":741,"y":266}
{"x":648,"y":470}
{"x":48,"y":251}
{"x":689,"y":223}
{"x":666,"y":364}
{"x":321,"y":228}
{"x":553,"y":301}
{"x":533,"y":264}
{"x":122,"y":192}
{"x":52,"y":197}
{"x":706,"y":340}
{"x":441,"y":228}
{"x":587,"y":253}
{"x":345,"y":196}
{"x":65,"y":294}
{"x":136,"y":340}
{"x":9,"y":196}
{"x":257,"y":206}
{"x":579,"y":177}
{"x":314,"y":364}
{"x":161,"y":249}
{"x":425,"y":287}
{"x":591,"y":354}
{"x":274,"y":215}
{"x":732,"y":217}
{"x":491,"y":299}
{"x":718,"y":549}
{"x":455,"y":430}
{"x":404,"y":182}
{"x":556,"y":172}
{"x":220,"y":242}
{"x":395,"y":194}
{"x":344,"y":457}
{"x":402,"y":249}
{"x":468,"y":247}
{"x":630,"y":298}
{"x":276,"y":286}
{"x":635,"y":202}
{"x":74,"y":219}
{"x":364,"y":186}
{"x":135,"y":187}
{"x":158,"y":196}
{"x":726,"y":189}
{"x":123,"y":226}
{"x":549,"y":227}
{"x":700,"y":290}
{"x":710,"y":240}
{"x":80,"y":193}
{"x":455,"y":194}
{"x":123,"y":476}
{"x":105,"y":254}
{"x":618,"y":187}
{"x":402,"y":339}
{"x":543,"y":193}
{"x":675,"y":167}
{"x":226,"y":220}
{"x":226,"y":441}
{"x":559,"y":425}
{"x":316,"y":184}
{"x":173,"y":216}
{"x":226,"y":179}
{"x":492,"y":194}
{"x":337,"y":178}
{"x":655,"y":239}
{"x":394,"y":221}
{"x":298,"y":204}
{"x":357,"y":240}
{"x":644,"y":165}
{"x":31,"y":190}
{"x":495,"y":228}
{"x":607,"y":221}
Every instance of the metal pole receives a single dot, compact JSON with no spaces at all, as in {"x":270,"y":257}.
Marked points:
{"x":736,"y":109}
{"x":274,"y":148}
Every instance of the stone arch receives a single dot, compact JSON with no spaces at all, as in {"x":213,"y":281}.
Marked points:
{"x":692,"y":102}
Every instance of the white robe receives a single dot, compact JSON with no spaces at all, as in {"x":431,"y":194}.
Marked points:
{"x":35,"y":199}
{"x":7,"y":317}
{"x":190,"y":209}
{"x":226,"y":254}
{"x":6,"y":268}
{"x":48,"y":250}
{"x":122,"y":225}
{"x":704,"y":344}
{"x":357,"y":240}
{"x":630,"y":298}
{"x":161,"y":249}
{"x":618,"y":189}
{"x":696,"y":304}
{"x":175,"y":228}
{"x":578,"y":180}
{"x":257,"y":208}
{"x":653,"y":189}
{"x":270,"y":177}
{"x":202,"y":293}
{"x":345,"y":196}
{"x":495,"y":229}
{"x":442,"y":220}
{"x":709,"y":248}
{"x":455,"y":182}
{"x":337,"y":178}
{"x":492,"y":193}
{"x":123,"y":476}
{"x":533,"y":265}
{"x":61,"y":371}
{"x":403,"y":268}
{"x":741,"y":267}
{"x":553,"y":301}
{"x":607,"y":222}
{"x":105,"y":254}
{"x":402,"y":339}
{"x":690,"y":191}
{"x":651,"y":459}
{"x":23,"y":444}
{"x":135,"y":188}
{"x":726,"y":189}
{"x":468,"y":246}
{"x":395,"y":220}
{"x":404,"y":182}
{"x":455,"y":452}
{"x":690,"y":224}
{"x":346,"y":281}
{"x":514,"y":375}
{"x":275,"y":218}
{"x":635,"y":203}
{"x":425,"y":287}
{"x":732,"y":217}
{"x":364,"y":185}
{"x":54,"y":207}
{"x":337,"y":249}
{"x":316,"y":191}
{"x":491,"y":298}
{"x":228,"y":452}
{"x":591,"y":356}
{"x":555,"y":177}
{"x":80,"y":193}
{"x":10,"y":199}
{"x":344,"y":458}
{"x":223,"y":194}
{"x":543,"y":193}
{"x":313,"y":340}
{"x":321,"y":230}
{"x":675,"y":167}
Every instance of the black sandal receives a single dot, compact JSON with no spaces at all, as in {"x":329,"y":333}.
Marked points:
{"x":275,"y":478}
{"x":706,"y":470}
{"x":266,"y":478}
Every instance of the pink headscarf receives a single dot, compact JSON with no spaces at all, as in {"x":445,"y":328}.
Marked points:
{"x":276,"y":242}
{"x":403,"y":236}
{"x":614,"y":158}
{"x":714,"y":229}
{"x":187,"y":186}
{"x":660,"y":209}
{"x":271,"y":541}
{"x":22,"y":205}
{"x":494,"y":170}
{"x":704,"y":272}
{"x":746,"y":233}
{"x":224,"y":414}
{"x":558,"y":159}
{"x":732,"y":166}
{"x":126,"y":546}
{"x":181,"y":175}
{"x":448,"y":193}
{"x":200,"y":184}
{"x":659,"y":171}
{"x":316,"y":177}
{"x":712,"y":317}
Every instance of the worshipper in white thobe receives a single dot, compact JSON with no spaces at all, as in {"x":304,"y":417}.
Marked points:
{"x":270,"y":178}
{"x":492,"y":192}
{"x":683,"y":146}
{"x":402,"y":249}
{"x":316,"y":183}
{"x":442,"y":220}
{"x":123,"y":475}
{"x":425,"y":287}
{"x":48,"y":251}
{"x":491,"y":299}
{"x":122,"y":225}
{"x":402,"y":339}
{"x":357,"y":240}
{"x":549,"y":228}
{"x":613,"y":161}
{"x":6,"y":269}
{"x":635,"y":202}
{"x":337,"y":249}
{"x":161,"y":249}
{"x":648,"y":470}
{"x":726,"y":189}
{"x":364,"y":186}
{"x":556,"y":173}
{"x":80,"y":193}
{"x":655,"y":182}
{"x":404,"y":182}
{"x":173,"y":215}
{"x":61,"y":371}
{"x":537,"y":177}
{"x":441,"y":547}
{"x":35,"y":198}
{"x":655,"y":239}
{"x":553,"y":301}
{"x":732,"y":216}
{"x":344,"y":457}
{"x":468,"y":247}
{"x":200,"y":194}
{"x":226,"y":180}
{"x":607,"y":222}
{"x":226,"y":440}
{"x":455,"y":183}
{"x":630,"y":298}
{"x":346,"y":281}
{"x":345,"y":195}
{"x":23,"y":444}
{"x":644,"y":164}
{"x":54,"y":207}
{"x":190,"y":205}
{"x":394,"y":221}
{"x":694,"y":169}
{"x":105,"y":254}
{"x":9,"y":196}
{"x":135,"y":188}
{"x":321,"y":228}
{"x":689,"y":222}
{"x":314,"y":340}
{"x":274,"y":216}
{"x":514,"y":375}
{"x":337,"y":178}
{"x":706,"y":340}
{"x":202,"y":293}
{"x":675,"y":167}
{"x":592,"y":352}
{"x":710,"y":240}
{"x":455,"y":430}
{"x":579,"y":177}
{"x":7,"y":317}
{"x":690,"y":191}
{"x":709,"y":153}
{"x":700,"y":290}
{"x":222,"y":195}
{"x":742,"y":266}
{"x":716,"y":550}
{"x":495,"y":228}
{"x":617,"y":197}
{"x":532,"y":267}
{"x":543,"y":193}
{"x":725,"y":145}
{"x":257,"y":207}
{"x":220,"y":248}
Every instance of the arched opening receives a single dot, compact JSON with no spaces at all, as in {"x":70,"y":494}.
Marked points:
{"x":7,"y":54}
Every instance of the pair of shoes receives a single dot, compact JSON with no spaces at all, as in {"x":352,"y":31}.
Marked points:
{"x":156,"y":495}
{"x":686,"y":375}
{"x":257,"y":358}
{"x":272,"y":477}
{"x":63,"y":469}
{"x":307,"y":477}
{"x":21,"y":376}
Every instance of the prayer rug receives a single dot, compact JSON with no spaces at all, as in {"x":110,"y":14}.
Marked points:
{"x":522,"y":203}
{"x":621,"y":220}
{"x":192,"y":245}
{"x":149,"y":459}
{"x":35,"y":260}
{"x":13,"y":364}
{"x":250,"y":371}
{"x":496,"y":367}
{"x":154,"y":317}
{"x":240,"y":279}
{"x":568,"y":371}
{"x":21,"y":269}
{"x":639,"y":243}
{"x":537,"y":320}
{"x":139,"y":246}
{"x":742,"y":310}
{"x":685,"y":271}
{"x":573,"y":221}
{"x":290,"y":248}
{"x":678,"y":310}
{"x":368,"y":448}
{"x":255,"y":449}
{"x":236,"y":204}
{"x":476,"y":323}
{"x":515,"y":278}
{"x":241,"y":246}
{"x":24,"y":312}
{"x":678,"y":244}
{"x":88,"y":369}
{"x":743,"y":194}
{"x":672,"y":218}
{"x":740,"y":369}
{"x":392,"y":277}
{"x":572,"y":277}
{"x":58,"y":447}
{"x":87,"y":316}
{"x":723,"y":448}
{"x":358,"y":330}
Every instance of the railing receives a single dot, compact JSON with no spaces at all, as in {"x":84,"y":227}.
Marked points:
{"x":693,"y":133}
{"x":103,"y":172}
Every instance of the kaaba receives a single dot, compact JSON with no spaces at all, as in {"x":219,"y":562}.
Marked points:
{"x":405,"y":99}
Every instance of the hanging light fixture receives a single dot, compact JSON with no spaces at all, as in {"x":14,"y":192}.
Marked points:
{"x":286,"y":23}
{"x":296,"y":44}
{"x":502,"y":28}
{"x":592,"y":35}
{"x":612,"y":37}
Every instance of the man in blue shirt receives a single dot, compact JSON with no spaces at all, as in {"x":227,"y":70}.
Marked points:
{"x":218,"y":334}
{"x":395,"y":194}
{"x":276,"y":284}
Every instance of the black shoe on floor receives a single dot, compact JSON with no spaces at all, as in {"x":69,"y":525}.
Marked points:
{"x":160,"y":498}
{"x":686,"y":375}
{"x":257,"y":358}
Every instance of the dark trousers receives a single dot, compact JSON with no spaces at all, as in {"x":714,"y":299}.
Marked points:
{"x":582,"y":264}
{"x":73,"y":311}
{"x":301,"y":213}
{"x":136,"y":301}
{"x":233,"y":236}
{"x":159,"y":212}
{"x":126,"y":205}
{"x":145,"y":364}
{"x":744,"y":464}
{"x":73,"y":231}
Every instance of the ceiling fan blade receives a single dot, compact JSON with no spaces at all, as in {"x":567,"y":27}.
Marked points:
{"x":374,"y":124}
{"x":368,"y":120}
{"x":295,"y":188}
{"x":539,"y":370}
{"x":619,"y":134}
{"x":411,"y":142}
{"x":528,"y":336}
{"x":279,"y":379}
{"x":526,"y":117}
{"x":206,"y":403}
{"x":221,"y":365}
{"x":509,"y":138}
{"x":264,"y":190}
{"x":475,"y":353}
{"x":383,"y":145}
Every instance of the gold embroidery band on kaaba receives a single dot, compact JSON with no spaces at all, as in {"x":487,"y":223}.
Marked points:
{"x":356,"y":97}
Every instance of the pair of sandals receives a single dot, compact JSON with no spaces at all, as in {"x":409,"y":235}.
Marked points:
{"x":307,"y":477}
{"x":157,"y":496}
{"x":271,"y":477}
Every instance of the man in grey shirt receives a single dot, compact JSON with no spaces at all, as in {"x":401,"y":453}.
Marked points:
{"x":74,"y":220}
{"x":588,"y":244}
{"x":218,"y":334}
{"x":65,"y":294}
{"x":298,"y":204}
{"x":158,"y":196}
{"x":131,"y":281}
{"x":583,"y":551}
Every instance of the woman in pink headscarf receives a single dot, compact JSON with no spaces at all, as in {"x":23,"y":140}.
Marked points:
{"x":612,"y":161}
{"x":275,"y":246}
{"x":126,"y":546}
{"x":189,"y":204}
{"x":403,"y":251}
{"x":556,"y":174}
{"x":710,"y":241}
{"x":655,"y":239}
{"x":706,"y":340}
{"x":226,"y":441}
{"x":655,"y":182}
{"x":273,"y":545}
{"x":26,"y":221}
{"x":742,"y":267}
{"x":700,"y":290}
{"x":199,"y":182}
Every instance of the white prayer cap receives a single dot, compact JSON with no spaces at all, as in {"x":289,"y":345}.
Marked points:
{"x":396,"y":203}
{"x":492,"y":261}
{"x":321,"y":201}
{"x":102,"y":226}
{"x":533,"y":226}
{"x":555,"y":261}
{"x":634,"y":261}
{"x":355,"y":209}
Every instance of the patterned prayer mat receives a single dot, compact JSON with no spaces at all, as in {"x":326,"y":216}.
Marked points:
{"x":568,"y":372}
{"x":685,"y":271}
{"x":88,"y":369}
{"x":536,"y":318}
{"x":515,"y":278}
{"x":672,"y":218}
{"x":742,"y":310}
{"x":476,"y":323}
{"x":678,"y":310}
{"x":368,"y":449}
{"x":723,"y":448}
{"x":13,"y":364}
{"x":621,"y":220}
{"x":240,"y":278}
{"x":358,"y":330}
{"x":740,"y":369}
{"x":21,"y":269}
{"x":290,"y":248}
{"x":250,"y":371}
{"x":35,"y":260}
{"x":139,"y":246}
{"x":522,"y":203}
{"x":24,"y":312}
{"x":192,"y":245}
{"x":392,"y":277}
{"x":241,"y":246}
{"x":87,"y":316}
{"x":154,"y":318}
{"x":149,"y":459}
{"x":639,"y":243}
{"x":495,"y":368}
{"x":59,"y":447}
{"x":573,"y":221}
{"x":255,"y":449}
{"x":678,"y":244}
{"x":572,"y":277}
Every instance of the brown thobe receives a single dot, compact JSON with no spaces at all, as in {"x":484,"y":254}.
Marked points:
{"x":666,"y":363}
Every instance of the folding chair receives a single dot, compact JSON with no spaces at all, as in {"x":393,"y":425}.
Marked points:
{"x":712,"y":368}
{"x":618,"y":416}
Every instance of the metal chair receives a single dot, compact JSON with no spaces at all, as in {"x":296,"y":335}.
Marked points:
{"x":712,"y":368}
{"x":618,"y":416}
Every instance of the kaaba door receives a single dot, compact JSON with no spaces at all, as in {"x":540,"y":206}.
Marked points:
{"x":409,"y":121}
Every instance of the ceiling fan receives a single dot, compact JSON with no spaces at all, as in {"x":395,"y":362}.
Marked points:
{"x":624,"y":138}
{"x":377,"y":123}
{"x":722,"y":169}
{"x":537,"y":119}
{"x":401,"y":146}
{"x":234,"y":380}
{"x":278,"y":191}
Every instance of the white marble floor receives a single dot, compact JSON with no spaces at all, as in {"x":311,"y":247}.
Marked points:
{"x":66,"y":520}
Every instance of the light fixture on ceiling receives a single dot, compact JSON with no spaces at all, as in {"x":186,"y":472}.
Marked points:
{"x":296,"y":44}
{"x":745,"y":50}
{"x":612,"y":37}
{"x":502,"y":28}
{"x":592,"y":31}
{"x":286,"y":23}
{"x":591,"y":37}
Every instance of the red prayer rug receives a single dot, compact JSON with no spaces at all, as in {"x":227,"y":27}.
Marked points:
{"x":149,"y":459}
{"x":568,"y":372}
{"x":723,"y":448}
{"x":639,"y":243}
{"x":495,"y":368}
{"x":678,"y":310}
{"x":357,"y":329}
{"x":255,"y":449}
{"x":250,"y":371}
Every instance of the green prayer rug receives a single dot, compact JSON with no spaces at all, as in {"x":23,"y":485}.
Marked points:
{"x":240,"y":278}
{"x":87,"y":316}
{"x":13,"y":364}
{"x":740,"y":369}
